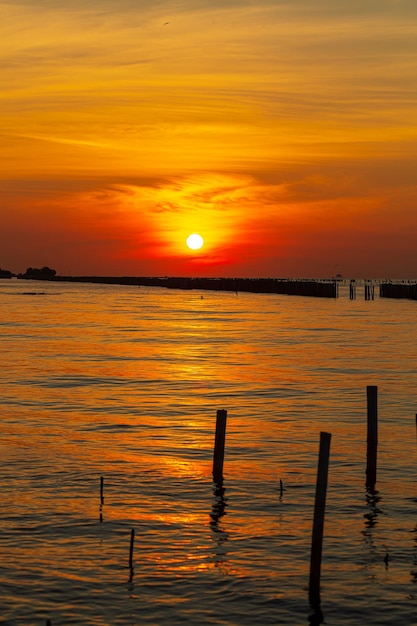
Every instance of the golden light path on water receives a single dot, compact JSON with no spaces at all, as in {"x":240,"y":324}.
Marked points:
{"x":125,"y":383}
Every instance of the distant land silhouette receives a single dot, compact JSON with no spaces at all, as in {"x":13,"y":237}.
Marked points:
{"x":45,"y":273}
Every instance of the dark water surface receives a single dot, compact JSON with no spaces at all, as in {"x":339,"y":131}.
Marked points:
{"x":125,"y":382}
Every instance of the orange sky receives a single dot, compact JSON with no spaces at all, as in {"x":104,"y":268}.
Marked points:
{"x":283,"y":132}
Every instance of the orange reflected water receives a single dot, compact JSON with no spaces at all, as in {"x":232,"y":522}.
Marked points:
{"x":125,"y":383}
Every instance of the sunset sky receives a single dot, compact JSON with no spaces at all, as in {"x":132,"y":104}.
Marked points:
{"x":283,"y":132}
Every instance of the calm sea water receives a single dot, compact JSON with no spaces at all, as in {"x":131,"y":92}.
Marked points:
{"x":125,"y":382}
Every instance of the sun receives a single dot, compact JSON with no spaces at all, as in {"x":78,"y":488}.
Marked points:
{"x":195,"y":241}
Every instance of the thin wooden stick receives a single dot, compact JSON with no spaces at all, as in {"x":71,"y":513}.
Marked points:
{"x":372,"y":436}
{"x":219,"y":442}
{"x":318,"y":522}
{"x":132,"y":542}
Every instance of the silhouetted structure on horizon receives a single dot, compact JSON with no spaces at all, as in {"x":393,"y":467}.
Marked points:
{"x":33,"y":273}
{"x":398,"y":290}
{"x":314,"y":288}
{"x":319,"y":288}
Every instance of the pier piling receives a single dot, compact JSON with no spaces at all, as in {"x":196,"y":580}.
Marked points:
{"x":369,"y":291}
{"x":372,"y":436}
{"x":132,"y":543}
{"x":219,"y":442}
{"x":318,"y":521}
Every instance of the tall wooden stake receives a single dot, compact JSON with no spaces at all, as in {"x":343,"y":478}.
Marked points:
{"x":372,"y":436}
{"x":318,"y":522}
{"x":219,"y":441}
{"x":132,"y":542}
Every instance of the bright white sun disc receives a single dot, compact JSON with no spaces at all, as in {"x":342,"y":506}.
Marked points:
{"x":195,"y":241}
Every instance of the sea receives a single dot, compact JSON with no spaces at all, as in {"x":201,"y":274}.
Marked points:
{"x":108,"y":403}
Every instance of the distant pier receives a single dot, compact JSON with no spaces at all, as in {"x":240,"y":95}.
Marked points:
{"x":398,"y":290}
{"x":313,"y":288}
{"x":316,"y":288}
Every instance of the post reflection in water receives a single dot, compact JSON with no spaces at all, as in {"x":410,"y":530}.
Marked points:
{"x":371,"y":521}
{"x":371,"y":518}
{"x":219,"y":534}
{"x":316,"y":618}
{"x":414,"y":571}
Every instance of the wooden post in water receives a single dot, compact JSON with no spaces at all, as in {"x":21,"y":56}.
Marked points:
{"x":132,"y":542}
{"x":101,"y":489}
{"x":372,"y":436}
{"x":318,"y":521}
{"x":219,"y":441}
